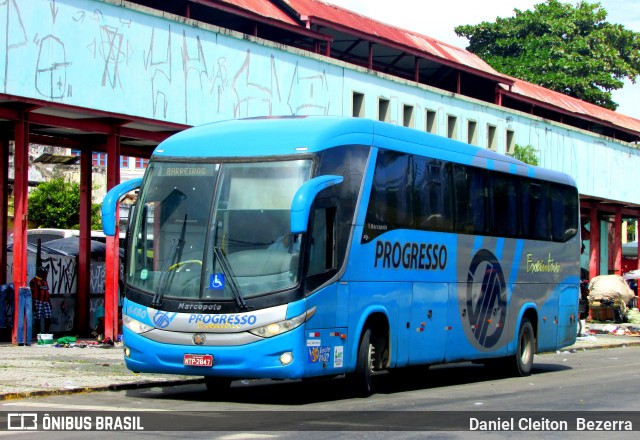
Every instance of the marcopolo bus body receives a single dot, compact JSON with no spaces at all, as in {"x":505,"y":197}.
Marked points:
{"x":319,"y":246}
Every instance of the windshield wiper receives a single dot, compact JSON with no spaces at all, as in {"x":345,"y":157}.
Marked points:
{"x":226,"y":268}
{"x":174,"y":255}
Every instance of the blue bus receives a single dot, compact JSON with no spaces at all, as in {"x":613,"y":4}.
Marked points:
{"x":302,"y":247}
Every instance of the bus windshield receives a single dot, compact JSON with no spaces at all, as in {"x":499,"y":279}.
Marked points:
{"x":216,"y":231}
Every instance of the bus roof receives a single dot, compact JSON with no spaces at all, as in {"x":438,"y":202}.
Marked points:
{"x":287,"y":136}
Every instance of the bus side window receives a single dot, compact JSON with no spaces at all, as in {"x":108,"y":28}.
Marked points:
{"x":471,"y":196}
{"x":564,"y":212}
{"x":322,"y":253}
{"x":432,"y":195}
{"x":390,"y":205}
{"x":504,"y":205}
{"x":535,"y":210}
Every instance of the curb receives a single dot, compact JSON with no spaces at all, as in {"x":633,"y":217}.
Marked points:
{"x":80,"y":390}
{"x":575,"y":348}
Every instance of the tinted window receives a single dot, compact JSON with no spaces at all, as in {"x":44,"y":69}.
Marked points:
{"x":348,"y":162}
{"x":504,"y":205}
{"x":471,"y":194}
{"x":564,"y":212}
{"x":535,"y":210}
{"x":390,"y":204}
{"x":414,"y":192}
{"x":433,"y":195}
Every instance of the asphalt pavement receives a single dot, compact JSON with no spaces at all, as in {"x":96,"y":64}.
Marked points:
{"x":87,"y":366}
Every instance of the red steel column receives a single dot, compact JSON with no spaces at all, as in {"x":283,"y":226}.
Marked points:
{"x":84,"y":251}
{"x":4,"y":203}
{"x":20,"y":194}
{"x":112,"y":263}
{"x":594,"y":248}
{"x":638,"y":240}
{"x":617,"y":242}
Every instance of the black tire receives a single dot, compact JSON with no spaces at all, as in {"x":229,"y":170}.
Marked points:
{"x":579,"y":328}
{"x":361,"y":378}
{"x":525,"y":349}
{"x":217,"y":386}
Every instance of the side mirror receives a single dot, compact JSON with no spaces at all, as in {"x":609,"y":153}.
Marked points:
{"x":303,"y":199}
{"x":111,"y":201}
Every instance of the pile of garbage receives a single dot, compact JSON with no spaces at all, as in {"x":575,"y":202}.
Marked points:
{"x":615,"y":329}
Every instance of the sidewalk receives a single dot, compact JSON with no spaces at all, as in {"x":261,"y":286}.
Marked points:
{"x":40,"y":370}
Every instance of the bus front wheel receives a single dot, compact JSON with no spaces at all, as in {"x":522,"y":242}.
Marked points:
{"x":361,"y":378}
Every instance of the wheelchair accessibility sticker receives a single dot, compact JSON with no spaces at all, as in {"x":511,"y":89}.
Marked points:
{"x":216,"y":281}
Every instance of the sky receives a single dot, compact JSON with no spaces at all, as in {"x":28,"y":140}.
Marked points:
{"x":437,"y":19}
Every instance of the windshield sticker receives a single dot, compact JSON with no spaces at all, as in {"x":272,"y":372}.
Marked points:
{"x":313,"y":342}
{"x":216,"y":281}
{"x":144,"y":273}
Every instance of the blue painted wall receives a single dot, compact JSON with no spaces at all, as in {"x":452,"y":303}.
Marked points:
{"x":118,"y":57}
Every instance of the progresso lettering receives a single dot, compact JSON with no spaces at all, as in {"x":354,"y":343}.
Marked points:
{"x":424,"y":256}
{"x":223,"y":319}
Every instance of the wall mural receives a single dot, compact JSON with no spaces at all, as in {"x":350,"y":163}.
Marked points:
{"x":92,"y":55}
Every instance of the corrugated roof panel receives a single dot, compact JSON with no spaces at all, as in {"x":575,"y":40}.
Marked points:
{"x":557,"y":99}
{"x":262,"y":8}
{"x":412,"y":40}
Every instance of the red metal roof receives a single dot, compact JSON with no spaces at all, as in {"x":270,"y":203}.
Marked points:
{"x":317,"y":11}
{"x":536,"y":93}
{"x":262,"y":8}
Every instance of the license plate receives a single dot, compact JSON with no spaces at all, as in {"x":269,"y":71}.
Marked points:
{"x":198,"y":360}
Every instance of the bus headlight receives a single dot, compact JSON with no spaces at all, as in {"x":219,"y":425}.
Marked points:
{"x":277,"y":328}
{"x":134,"y":325}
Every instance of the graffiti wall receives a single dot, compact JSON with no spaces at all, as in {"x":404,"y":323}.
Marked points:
{"x":63,"y":285}
{"x":96,"y":54}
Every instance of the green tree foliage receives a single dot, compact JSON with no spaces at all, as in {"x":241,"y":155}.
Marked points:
{"x":526,"y":153}
{"x":566,"y":48}
{"x":56,"y":204}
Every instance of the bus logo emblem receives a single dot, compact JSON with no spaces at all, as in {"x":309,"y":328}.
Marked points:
{"x":162,"y":319}
{"x":486,"y":298}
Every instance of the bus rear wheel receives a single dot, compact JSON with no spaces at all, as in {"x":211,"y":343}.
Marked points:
{"x":525,"y":350}
{"x":361,"y":378}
